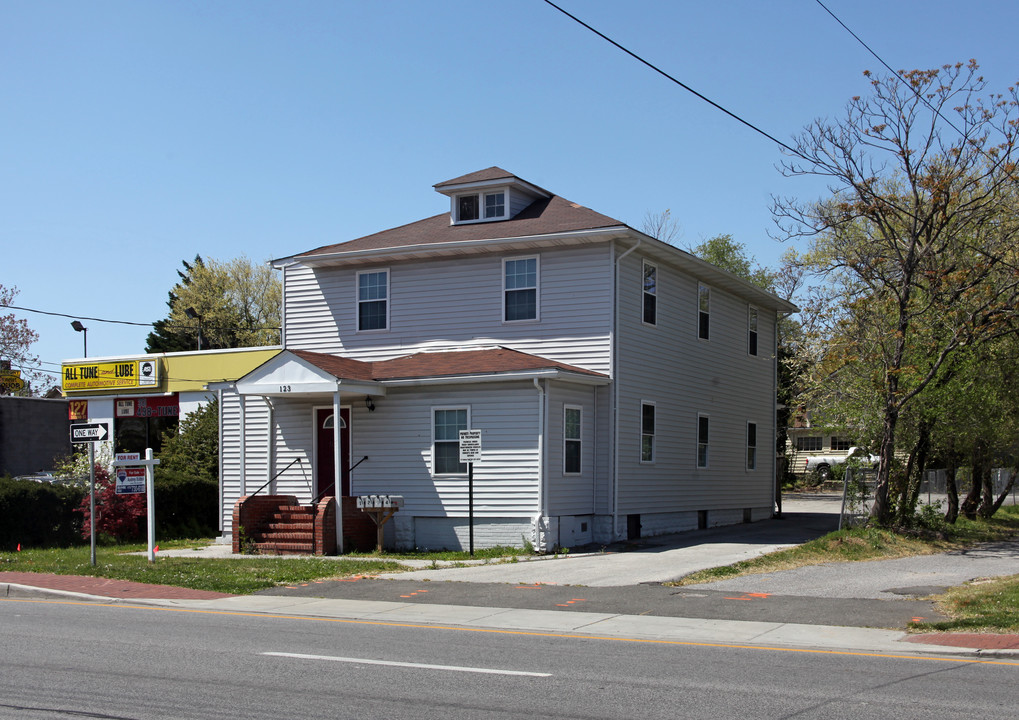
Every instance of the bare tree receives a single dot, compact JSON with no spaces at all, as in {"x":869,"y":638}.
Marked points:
{"x":661,"y":226}
{"x":919,"y":234}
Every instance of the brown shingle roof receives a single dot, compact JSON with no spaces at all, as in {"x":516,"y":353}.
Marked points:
{"x":487,"y":361}
{"x":542,"y":217}
{"x":492,"y":173}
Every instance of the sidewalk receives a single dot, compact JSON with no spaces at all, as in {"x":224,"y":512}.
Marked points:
{"x":618,"y":594}
{"x":15,"y":586}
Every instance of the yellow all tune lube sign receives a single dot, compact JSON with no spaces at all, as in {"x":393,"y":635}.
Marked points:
{"x":104,"y":376}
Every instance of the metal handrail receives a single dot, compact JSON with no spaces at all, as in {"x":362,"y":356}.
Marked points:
{"x":296,"y":460}
{"x":349,"y":470}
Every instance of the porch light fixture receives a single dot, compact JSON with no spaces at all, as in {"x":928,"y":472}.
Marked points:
{"x":368,"y":403}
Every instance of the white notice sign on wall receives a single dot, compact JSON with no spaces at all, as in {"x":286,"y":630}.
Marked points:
{"x":470,"y":446}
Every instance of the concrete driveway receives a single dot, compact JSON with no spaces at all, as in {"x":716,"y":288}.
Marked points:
{"x":658,"y":559}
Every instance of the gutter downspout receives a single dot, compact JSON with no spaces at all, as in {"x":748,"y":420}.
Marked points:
{"x":615,"y":391}
{"x":542,"y":493}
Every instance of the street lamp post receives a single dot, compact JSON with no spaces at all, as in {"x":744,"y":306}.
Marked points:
{"x":78,"y":327}
{"x":193,"y":314}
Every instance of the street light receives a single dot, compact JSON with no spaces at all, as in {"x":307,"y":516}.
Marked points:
{"x":193,"y":314}
{"x":78,"y":327}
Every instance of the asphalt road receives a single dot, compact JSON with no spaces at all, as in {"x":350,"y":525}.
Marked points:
{"x":627,"y":579}
{"x":73,"y":660}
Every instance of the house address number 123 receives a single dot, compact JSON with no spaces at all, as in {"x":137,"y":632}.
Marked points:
{"x":285,"y":388}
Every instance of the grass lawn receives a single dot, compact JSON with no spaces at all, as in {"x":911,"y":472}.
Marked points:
{"x":242,"y":574}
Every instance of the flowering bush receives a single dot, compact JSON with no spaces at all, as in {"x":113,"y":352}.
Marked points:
{"x":117,"y":516}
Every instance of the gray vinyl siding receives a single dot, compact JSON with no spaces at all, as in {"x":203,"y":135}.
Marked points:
{"x":456,"y":302}
{"x":397,"y":438}
{"x":684,"y":376}
{"x":572,"y":494}
{"x":254,"y":457}
{"x":518,"y":201}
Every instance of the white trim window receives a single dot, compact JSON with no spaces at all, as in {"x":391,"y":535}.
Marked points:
{"x":647,"y":431}
{"x":703,"y":311}
{"x":751,"y":446}
{"x":572,"y":439}
{"x":752,"y":330}
{"x":703,"y":436}
{"x":447,"y":422}
{"x":649,"y":314}
{"x":372,"y":300}
{"x":520,"y":289}
{"x":480,"y":207}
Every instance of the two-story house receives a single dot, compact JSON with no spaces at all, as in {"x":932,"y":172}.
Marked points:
{"x":622,"y":386}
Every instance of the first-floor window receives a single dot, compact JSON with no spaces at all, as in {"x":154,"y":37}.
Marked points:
{"x":446,"y":426}
{"x":647,"y":432}
{"x":571,"y":440}
{"x":751,"y":446}
{"x":703,"y":426}
{"x":843,"y":444}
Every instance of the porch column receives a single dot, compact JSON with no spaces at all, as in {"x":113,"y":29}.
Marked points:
{"x":243,"y":444}
{"x":337,"y":471}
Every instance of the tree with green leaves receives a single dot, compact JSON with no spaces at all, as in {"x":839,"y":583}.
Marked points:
{"x":917,"y":240}
{"x":220,"y":305}
{"x":193,"y":447}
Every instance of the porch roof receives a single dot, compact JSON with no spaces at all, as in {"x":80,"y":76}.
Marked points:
{"x":303,"y":371}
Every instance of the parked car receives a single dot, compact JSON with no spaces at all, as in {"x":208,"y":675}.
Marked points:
{"x":821,"y":465}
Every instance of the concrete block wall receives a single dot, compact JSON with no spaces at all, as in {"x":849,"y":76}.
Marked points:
{"x":33,"y":432}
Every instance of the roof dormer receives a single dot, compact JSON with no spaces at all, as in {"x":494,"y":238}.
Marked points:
{"x":488,"y":196}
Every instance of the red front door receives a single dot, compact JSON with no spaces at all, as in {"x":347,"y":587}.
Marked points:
{"x":325,"y":474}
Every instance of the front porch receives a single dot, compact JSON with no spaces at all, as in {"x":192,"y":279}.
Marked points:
{"x":280,"y":525}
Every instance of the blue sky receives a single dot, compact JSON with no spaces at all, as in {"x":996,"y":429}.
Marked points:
{"x":134,"y":135}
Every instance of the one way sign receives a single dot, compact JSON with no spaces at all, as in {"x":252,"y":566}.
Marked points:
{"x":89,"y":432}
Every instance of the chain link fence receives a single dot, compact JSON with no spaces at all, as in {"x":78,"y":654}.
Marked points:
{"x":859,"y":484}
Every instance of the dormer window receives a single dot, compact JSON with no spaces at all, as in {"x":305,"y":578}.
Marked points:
{"x":467,"y":208}
{"x":477,"y":207}
{"x":495,"y":205}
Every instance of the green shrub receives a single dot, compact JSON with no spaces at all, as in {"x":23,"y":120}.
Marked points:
{"x":38,"y":515}
{"x":186,"y":506}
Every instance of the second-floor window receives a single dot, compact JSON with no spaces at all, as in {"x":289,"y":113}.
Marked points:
{"x":703,"y":311}
{"x":752,"y":330}
{"x":520,"y":289}
{"x":373,"y":300}
{"x":650,"y":294}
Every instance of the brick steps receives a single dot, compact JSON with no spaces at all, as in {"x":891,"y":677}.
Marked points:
{"x":275,"y":525}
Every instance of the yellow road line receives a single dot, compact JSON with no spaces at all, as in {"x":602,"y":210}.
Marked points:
{"x":527,"y":633}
